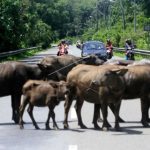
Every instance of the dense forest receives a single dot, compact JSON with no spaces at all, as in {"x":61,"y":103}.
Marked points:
{"x":27,"y":23}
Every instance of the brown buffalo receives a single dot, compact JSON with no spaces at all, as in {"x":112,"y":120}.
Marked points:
{"x":42,"y":93}
{"x":96,"y":84}
{"x":57,"y":67}
{"x":12,"y":77}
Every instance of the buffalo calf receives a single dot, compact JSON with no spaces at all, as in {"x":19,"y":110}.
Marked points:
{"x":42,"y":93}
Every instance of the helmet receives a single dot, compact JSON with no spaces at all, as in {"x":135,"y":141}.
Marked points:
{"x":63,"y":41}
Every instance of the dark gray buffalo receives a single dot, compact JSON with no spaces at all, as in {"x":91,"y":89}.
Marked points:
{"x":57,"y":67}
{"x":137,"y":81}
{"x":12,"y":77}
{"x":137,"y":85}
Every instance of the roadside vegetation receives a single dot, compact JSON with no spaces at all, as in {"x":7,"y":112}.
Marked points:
{"x":21,"y":55}
{"x":122,"y":55}
{"x":29,"y":23}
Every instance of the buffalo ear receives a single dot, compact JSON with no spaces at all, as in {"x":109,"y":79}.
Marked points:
{"x":43,"y":66}
{"x":120,"y":71}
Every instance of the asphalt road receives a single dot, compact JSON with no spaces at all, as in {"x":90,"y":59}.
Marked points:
{"x":132,"y":136}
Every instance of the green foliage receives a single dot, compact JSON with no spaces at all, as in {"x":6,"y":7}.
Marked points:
{"x":21,"y":26}
{"x":25,"y":23}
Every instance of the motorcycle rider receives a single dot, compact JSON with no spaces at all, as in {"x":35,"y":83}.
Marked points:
{"x":109,"y":48}
{"x":63,"y":48}
{"x":129,"y":49}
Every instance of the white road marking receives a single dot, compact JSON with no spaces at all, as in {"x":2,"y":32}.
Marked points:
{"x":73,"y":147}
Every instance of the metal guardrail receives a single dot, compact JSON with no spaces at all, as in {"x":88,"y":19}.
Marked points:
{"x":143,"y":53}
{"x":10,"y":53}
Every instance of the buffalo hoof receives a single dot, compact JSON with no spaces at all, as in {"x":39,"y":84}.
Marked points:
{"x":121,"y":120}
{"x":117,"y":128}
{"x":145,"y":124}
{"x":56,"y":128}
{"x":96,"y":126}
{"x":16,"y":120}
{"x":66,"y":126}
{"x":105,"y":128}
{"x":108,"y":125}
{"x":37,"y":128}
{"x":83,"y":126}
{"x":21,"y":127}
{"x":48,"y":128}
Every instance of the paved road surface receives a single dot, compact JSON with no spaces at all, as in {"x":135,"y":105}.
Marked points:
{"x":132,"y":137}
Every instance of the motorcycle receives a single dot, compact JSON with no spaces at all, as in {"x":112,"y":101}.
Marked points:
{"x":109,"y":52}
{"x":62,"y":52}
{"x":130,"y":54}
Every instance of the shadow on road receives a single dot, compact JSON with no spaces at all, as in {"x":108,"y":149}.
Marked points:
{"x":128,"y":130}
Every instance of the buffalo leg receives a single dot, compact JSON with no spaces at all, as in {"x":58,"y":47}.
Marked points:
{"x":21,"y":111}
{"x":148,"y":119}
{"x":112,"y":107}
{"x":105,"y":114}
{"x":96,"y":115}
{"x":116,"y":112}
{"x":107,"y":123}
{"x":15,"y":102}
{"x":53,"y":118}
{"x":67,"y":106}
{"x":99,"y":116}
{"x":79,"y":104}
{"x":30,"y":111}
{"x":144,"y":109}
{"x":47,"y":122}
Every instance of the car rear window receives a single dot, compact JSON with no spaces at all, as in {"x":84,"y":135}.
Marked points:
{"x":96,"y":46}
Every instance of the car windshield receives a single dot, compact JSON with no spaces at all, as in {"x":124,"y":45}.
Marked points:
{"x":93,"y":46}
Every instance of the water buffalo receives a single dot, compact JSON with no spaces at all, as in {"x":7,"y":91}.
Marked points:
{"x":96,"y":84}
{"x":137,"y":81}
{"x":137,"y":85}
{"x":12,"y":77}
{"x":57,"y":67}
{"x":42,"y":93}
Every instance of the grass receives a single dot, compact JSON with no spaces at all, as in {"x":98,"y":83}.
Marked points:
{"x":122,"y":55}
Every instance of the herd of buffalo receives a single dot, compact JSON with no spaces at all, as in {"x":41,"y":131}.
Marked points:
{"x":67,"y":78}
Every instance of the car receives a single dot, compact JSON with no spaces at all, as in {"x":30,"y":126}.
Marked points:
{"x":94,"y":47}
